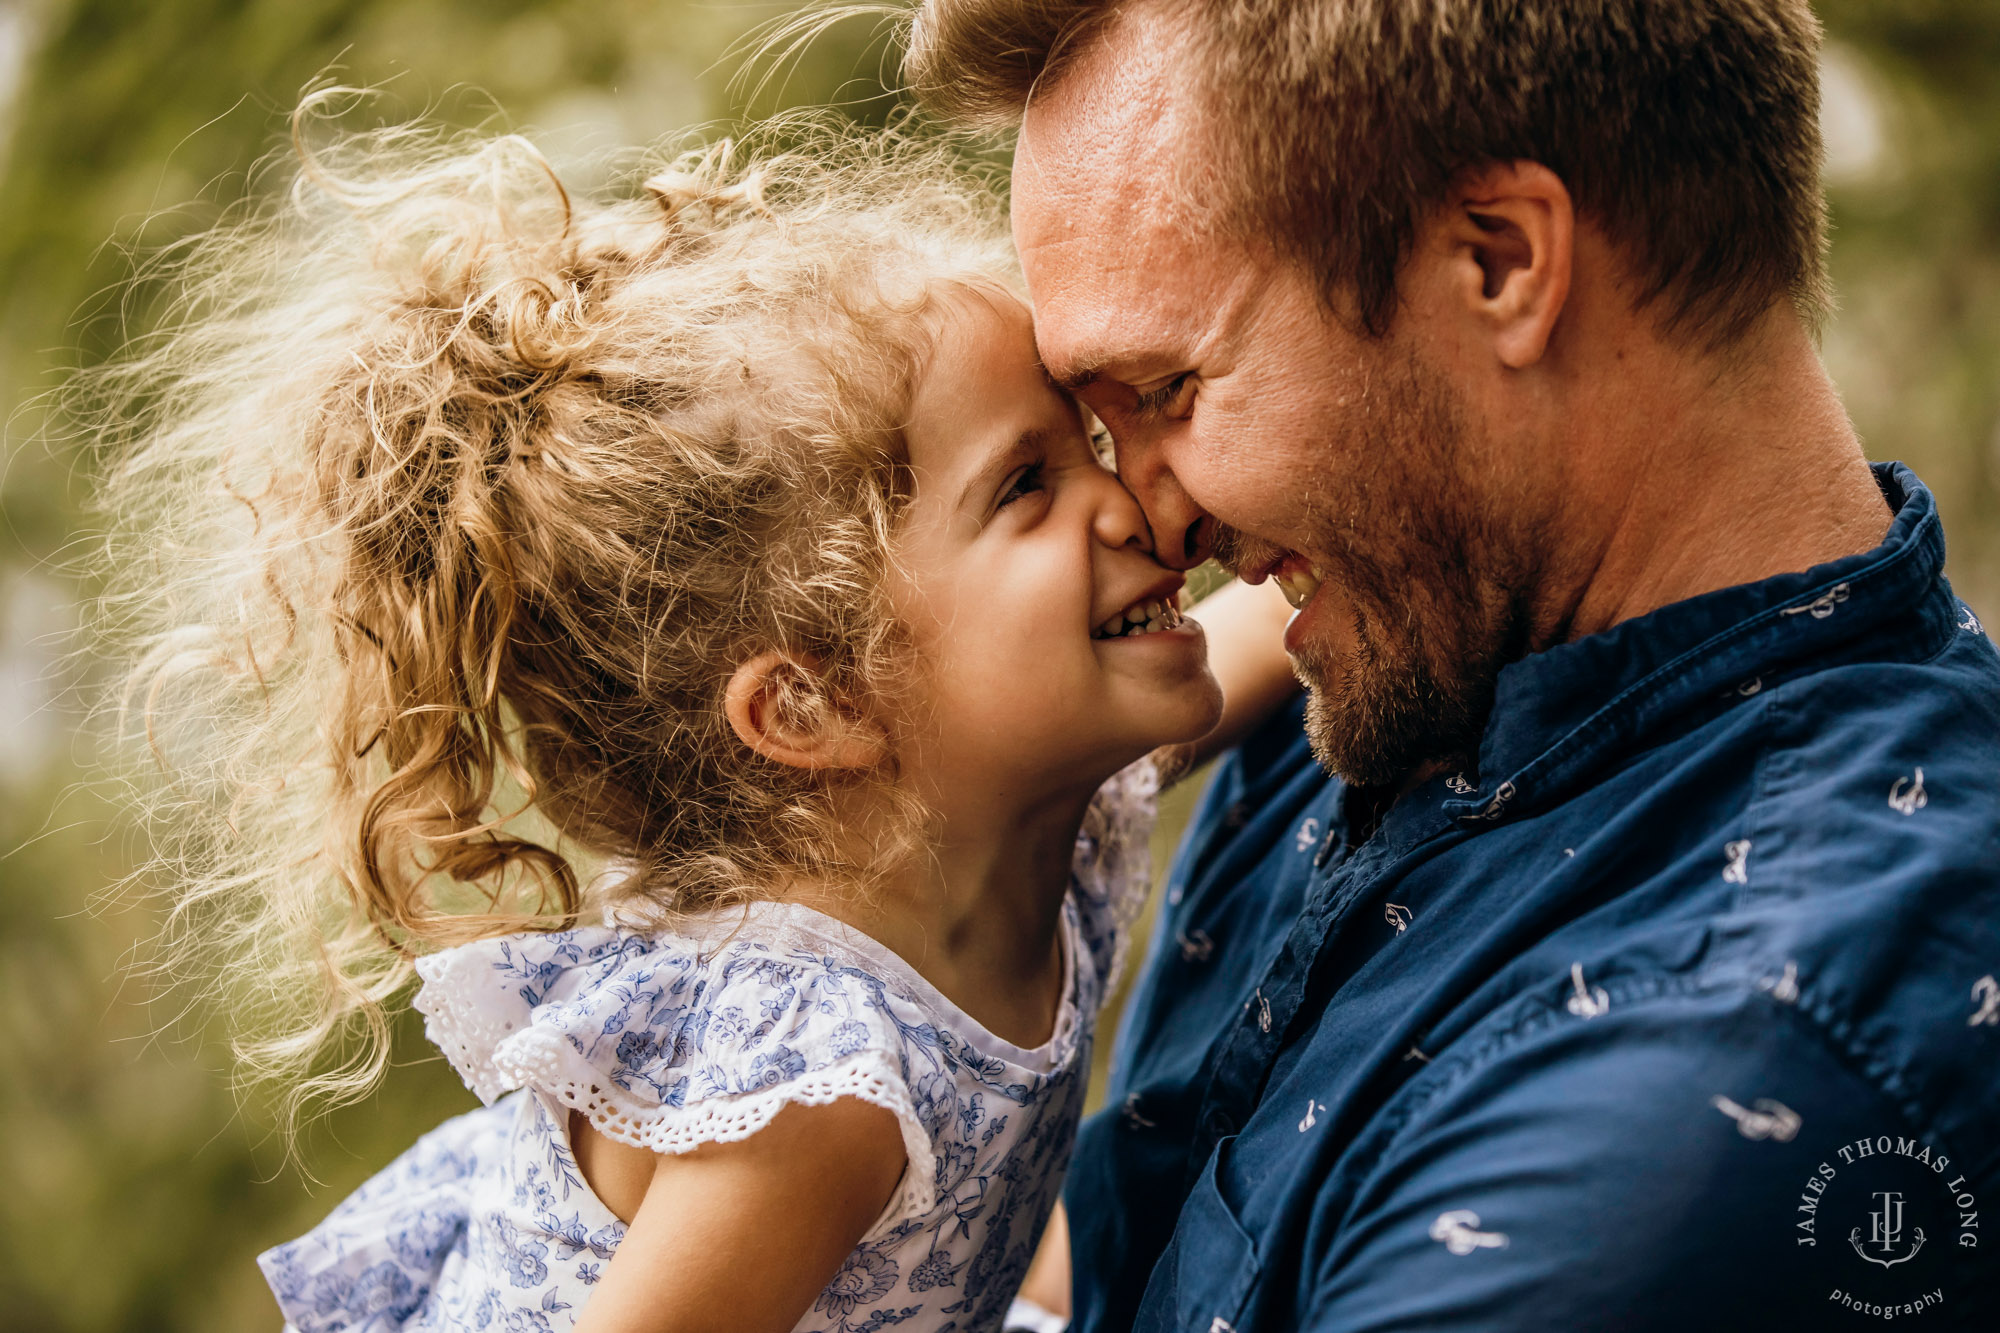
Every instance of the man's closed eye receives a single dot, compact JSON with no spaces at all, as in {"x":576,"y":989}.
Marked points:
{"x":1172,"y":399}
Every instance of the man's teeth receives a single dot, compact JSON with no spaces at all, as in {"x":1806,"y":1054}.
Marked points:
{"x":1140,"y":618}
{"x":1298,"y":585}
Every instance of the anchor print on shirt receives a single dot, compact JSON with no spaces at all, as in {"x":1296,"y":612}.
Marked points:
{"x":1308,"y":835}
{"x":1263,"y":1007}
{"x":1313,"y":1109}
{"x":1784,"y":989}
{"x":1397,"y":915}
{"x":1742,"y":689}
{"x":1587,"y":1001}
{"x":1457,"y":1230}
{"x":1738,"y":854}
{"x":1762,"y":1119}
{"x":1971,"y":622}
{"x":1907,"y":795}
{"x":1820,"y":607}
{"x":1985,"y":994}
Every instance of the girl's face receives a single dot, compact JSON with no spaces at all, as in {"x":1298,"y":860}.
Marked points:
{"x":1018,"y":550}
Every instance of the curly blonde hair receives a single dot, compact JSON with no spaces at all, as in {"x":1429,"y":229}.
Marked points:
{"x":442,"y":512}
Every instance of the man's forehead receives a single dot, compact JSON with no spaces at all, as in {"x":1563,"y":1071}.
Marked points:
{"x":1114,"y":132}
{"x":1112,"y":277}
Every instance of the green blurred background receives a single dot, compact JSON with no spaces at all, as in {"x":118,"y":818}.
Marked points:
{"x":134,"y":1188}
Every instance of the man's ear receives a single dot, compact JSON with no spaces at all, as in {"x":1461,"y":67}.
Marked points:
{"x":1511,"y":231}
{"x":780,"y":708}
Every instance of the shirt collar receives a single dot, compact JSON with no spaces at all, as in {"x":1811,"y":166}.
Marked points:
{"x":1560,"y":715}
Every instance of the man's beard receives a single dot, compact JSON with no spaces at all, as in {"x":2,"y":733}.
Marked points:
{"x":1435,"y":576}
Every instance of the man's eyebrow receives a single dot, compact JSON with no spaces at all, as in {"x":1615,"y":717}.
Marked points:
{"x":1022,"y":447}
{"x":1079,"y":374}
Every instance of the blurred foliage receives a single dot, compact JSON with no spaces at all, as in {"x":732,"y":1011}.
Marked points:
{"x":139,"y":1190}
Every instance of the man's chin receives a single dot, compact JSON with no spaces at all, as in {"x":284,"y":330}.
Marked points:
{"x":1373,"y":727}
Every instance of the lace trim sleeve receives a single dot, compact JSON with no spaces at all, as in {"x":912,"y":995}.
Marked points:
{"x":541,"y":1060}
{"x":664,"y":1046}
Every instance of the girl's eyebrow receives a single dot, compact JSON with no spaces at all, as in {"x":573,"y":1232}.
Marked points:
{"x":1027,"y":445}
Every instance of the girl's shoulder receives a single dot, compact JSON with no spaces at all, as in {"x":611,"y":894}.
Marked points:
{"x":669,"y":1039}
{"x":699,"y":1033}
{"x":635,"y":1022}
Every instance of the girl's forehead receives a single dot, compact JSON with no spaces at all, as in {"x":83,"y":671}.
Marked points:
{"x":981,"y":393}
{"x":979,"y":312}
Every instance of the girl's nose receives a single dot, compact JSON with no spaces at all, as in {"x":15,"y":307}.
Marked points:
{"x":1119,"y":521}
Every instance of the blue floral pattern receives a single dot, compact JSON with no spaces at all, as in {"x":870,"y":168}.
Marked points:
{"x":671,"y":1038}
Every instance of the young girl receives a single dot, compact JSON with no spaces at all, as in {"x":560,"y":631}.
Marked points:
{"x":692,"y":635}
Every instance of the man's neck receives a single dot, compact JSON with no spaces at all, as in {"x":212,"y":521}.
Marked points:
{"x":1709,"y":480}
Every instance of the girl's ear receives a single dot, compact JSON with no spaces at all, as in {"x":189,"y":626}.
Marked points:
{"x":779,"y":708}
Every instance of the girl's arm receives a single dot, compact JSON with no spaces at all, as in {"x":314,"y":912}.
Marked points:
{"x":738,"y":1237}
{"x":1246,"y":651}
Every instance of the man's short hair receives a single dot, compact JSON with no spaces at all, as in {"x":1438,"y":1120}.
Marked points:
{"x":1687,"y":131}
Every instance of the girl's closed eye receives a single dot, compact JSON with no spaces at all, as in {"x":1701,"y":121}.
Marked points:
{"x":1023,"y":483}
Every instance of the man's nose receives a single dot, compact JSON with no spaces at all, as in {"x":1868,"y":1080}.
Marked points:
{"x":1183,"y":532}
{"x":1119,"y":521}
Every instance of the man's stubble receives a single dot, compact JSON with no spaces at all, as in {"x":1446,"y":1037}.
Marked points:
{"x":1434,"y":567}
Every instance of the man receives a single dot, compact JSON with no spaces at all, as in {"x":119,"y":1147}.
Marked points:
{"x":1637,"y":969}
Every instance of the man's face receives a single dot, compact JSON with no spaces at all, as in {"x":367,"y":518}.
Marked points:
{"x":1254,"y":425}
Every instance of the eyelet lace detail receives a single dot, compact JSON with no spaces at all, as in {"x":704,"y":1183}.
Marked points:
{"x":519,"y":1013}
{"x":542,"y":1061}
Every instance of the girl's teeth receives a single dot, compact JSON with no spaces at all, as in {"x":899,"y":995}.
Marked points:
{"x":1147,"y":617}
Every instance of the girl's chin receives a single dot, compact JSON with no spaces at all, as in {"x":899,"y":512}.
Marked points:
{"x":1178,"y":722}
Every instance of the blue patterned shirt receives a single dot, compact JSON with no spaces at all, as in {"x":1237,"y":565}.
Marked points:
{"x":1678,"y":1012}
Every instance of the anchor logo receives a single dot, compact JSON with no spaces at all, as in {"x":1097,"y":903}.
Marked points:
{"x":1457,"y":1232}
{"x":1308,"y":834}
{"x":1907,"y":797}
{"x":1822,"y":606}
{"x":1985,"y":993}
{"x":1885,"y":1232}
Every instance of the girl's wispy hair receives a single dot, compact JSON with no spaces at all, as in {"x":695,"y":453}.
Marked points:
{"x":443,"y":506}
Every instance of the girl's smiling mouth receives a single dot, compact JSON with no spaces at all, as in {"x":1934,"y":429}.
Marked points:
{"x":1156,"y":612}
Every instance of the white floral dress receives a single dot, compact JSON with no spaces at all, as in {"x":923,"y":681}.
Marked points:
{"x":668,"y":1040}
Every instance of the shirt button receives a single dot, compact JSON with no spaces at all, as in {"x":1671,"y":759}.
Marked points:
{"x":1236,"y":816}
{"x":1219,"y":1123}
